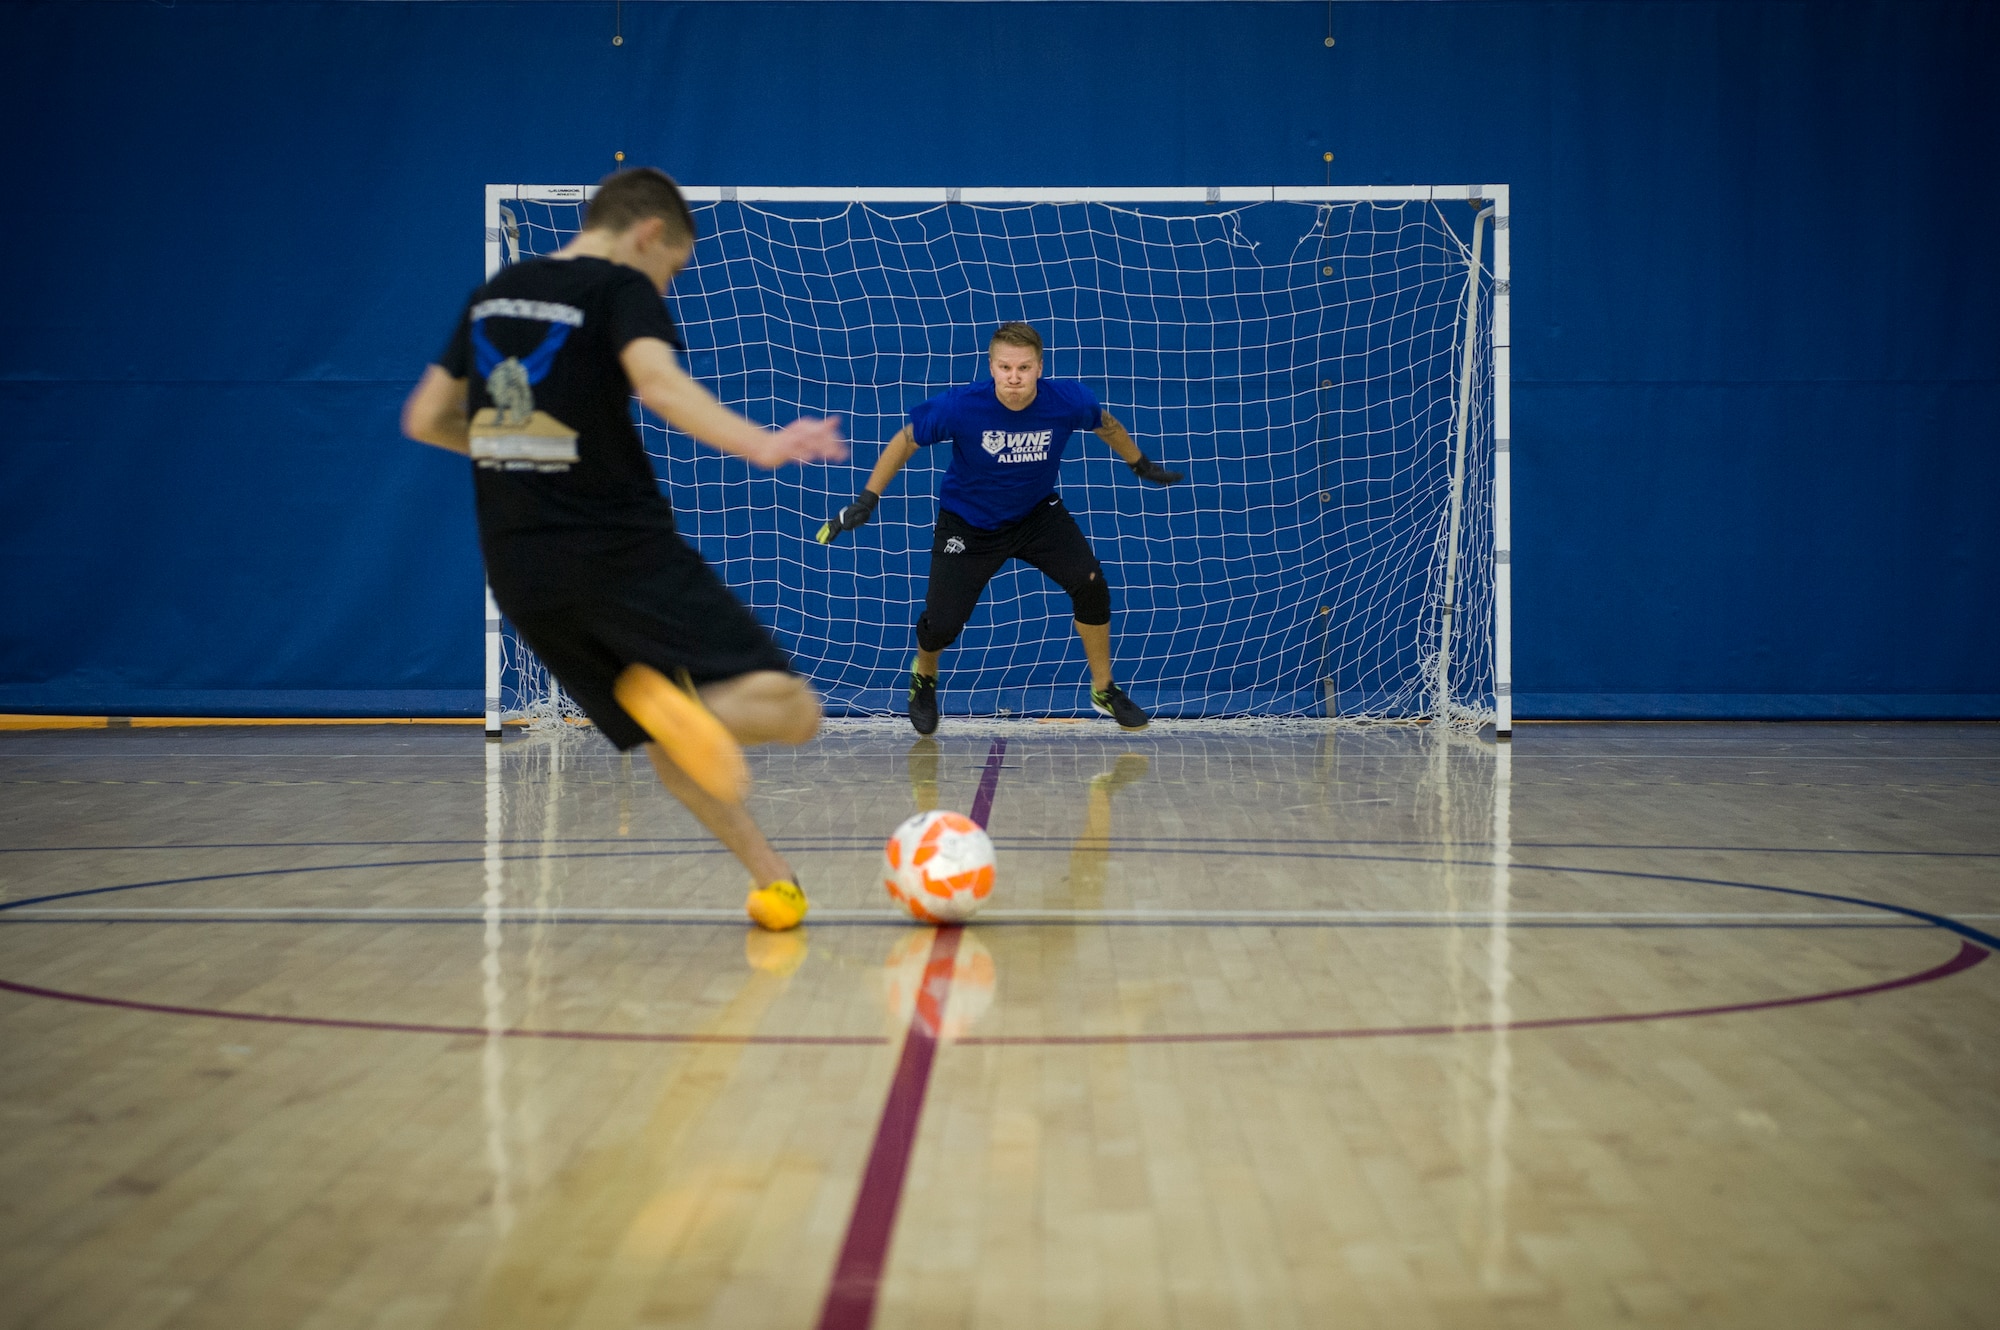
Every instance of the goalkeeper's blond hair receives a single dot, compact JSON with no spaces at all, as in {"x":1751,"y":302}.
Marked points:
{"x":1015,"y":334}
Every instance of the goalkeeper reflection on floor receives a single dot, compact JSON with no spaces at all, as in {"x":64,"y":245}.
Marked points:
{"x":977,"y":971}
{"x":998,"y":502}
{"x":1090,"y":855}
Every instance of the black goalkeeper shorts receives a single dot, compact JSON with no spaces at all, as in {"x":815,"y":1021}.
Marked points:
{"x":965,"y":558}
{"x":653,"y":601}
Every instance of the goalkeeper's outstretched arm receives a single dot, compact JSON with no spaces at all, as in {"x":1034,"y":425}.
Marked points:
{"x":1144,"y":467}
{"x":893,"y":459}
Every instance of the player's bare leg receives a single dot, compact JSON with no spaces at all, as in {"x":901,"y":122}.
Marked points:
{"x":765,"y":707}
{"x":703,"y":730}
{"x":1097,"y":650}
{"x":729,"y":822}
{"x":923,"y":691}
{"x":775,"y":900}
{"x":676,"y":719}
{"x":1105,"y":695}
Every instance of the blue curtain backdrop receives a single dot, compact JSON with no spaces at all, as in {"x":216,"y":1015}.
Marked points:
{"x":1756,"y":352}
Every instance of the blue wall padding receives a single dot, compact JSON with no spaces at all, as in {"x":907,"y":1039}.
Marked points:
{"x":1755,"y":350}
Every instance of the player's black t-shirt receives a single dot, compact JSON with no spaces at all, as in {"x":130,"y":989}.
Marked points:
{"x":560,"y":474}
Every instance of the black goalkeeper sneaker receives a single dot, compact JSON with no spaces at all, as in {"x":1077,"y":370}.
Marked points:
{"x":923,"y":703}
{"x":1112,"y":702}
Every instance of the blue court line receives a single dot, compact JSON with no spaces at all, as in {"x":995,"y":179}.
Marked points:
{"x":1945,"y":922}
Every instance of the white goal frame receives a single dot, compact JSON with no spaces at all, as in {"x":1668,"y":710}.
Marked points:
{"x":1494,"y":197}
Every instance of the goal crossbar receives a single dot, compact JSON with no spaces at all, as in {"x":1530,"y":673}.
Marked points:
{"x":1493,"y":197}
{"x":1495,"y":194}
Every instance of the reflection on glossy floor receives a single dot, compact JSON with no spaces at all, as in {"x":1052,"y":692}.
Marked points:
{"x":1659,"y":1025}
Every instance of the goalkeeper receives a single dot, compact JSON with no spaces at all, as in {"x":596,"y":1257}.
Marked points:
{"x":999,"y":502}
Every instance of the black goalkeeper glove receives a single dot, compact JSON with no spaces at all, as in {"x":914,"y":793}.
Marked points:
{"x":1152,"y":472}
{"x":854,"y":515}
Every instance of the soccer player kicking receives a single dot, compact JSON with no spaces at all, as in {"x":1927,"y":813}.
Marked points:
{"x":580,"y":545}
{"x":998,"y":502}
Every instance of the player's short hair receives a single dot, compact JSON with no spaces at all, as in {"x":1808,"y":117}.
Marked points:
{"x":630,"y":196}
{"x":1016,"y":334}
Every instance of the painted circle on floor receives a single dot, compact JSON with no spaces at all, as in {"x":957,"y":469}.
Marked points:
{"x":1974,"y":947}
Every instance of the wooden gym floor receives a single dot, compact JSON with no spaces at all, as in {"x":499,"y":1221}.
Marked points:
{"x":1649,"y":1025}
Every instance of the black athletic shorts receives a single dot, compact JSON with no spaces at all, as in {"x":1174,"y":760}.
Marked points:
{"x":965,"y":558}
{"x":653,"y":601}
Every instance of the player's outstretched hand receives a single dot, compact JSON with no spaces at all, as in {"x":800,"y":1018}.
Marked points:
{"x":801,"y":441}
{"x":854,"y":515}
{"x":1146,"y":469}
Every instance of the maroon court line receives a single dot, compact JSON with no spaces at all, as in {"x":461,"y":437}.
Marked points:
{"x":412,"y":1027}
{"x":1969,"y":955}
{"x":857,"y":1275}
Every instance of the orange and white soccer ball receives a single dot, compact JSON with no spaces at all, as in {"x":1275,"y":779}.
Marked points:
{"x":939,"y":867}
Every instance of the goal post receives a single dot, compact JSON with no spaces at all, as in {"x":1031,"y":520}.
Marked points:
{"x":1329,"y":364}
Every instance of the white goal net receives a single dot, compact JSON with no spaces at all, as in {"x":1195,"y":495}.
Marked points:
{"x":1328,"y":367}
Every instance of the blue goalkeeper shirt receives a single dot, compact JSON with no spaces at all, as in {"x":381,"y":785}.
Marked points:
{"x":1003,"y":462}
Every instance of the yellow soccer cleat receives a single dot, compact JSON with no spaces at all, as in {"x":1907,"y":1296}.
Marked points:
{"x":777,"y":907}
{"x":687,"y":730}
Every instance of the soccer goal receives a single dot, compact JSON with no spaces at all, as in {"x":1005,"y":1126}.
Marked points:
{"x":1329,"y":366}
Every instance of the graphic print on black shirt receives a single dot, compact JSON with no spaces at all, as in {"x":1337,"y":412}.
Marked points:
{"x":553,"y":439}
{"x":511,"y":435}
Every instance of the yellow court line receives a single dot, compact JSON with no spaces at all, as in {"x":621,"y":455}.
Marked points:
{"x":29,"y":722}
